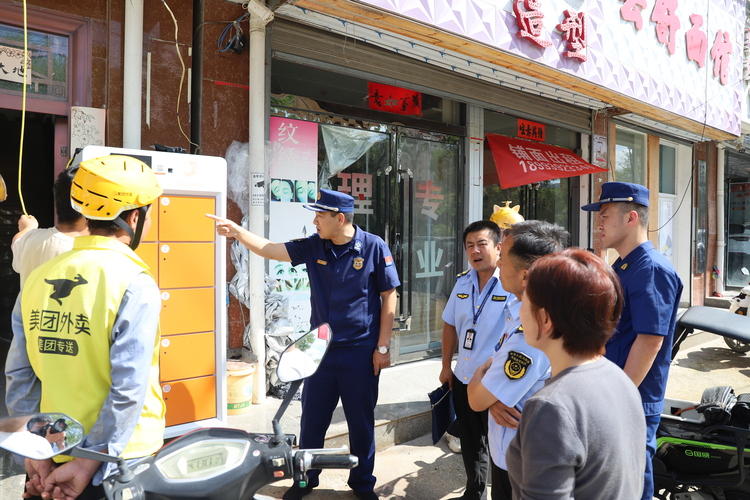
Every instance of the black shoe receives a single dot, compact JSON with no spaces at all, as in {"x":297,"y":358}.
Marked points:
{"x":295,"y":492}
{"x":366,"y":495}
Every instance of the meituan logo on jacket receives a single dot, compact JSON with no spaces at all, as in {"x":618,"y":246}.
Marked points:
{"x":62,"y":287}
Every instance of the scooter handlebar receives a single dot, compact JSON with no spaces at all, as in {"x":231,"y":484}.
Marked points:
{"x":324,"y":461}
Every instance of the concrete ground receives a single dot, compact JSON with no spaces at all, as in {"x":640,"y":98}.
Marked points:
{"x":407,"y":465}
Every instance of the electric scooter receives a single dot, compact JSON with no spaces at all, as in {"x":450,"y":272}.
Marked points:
{"x":739,"y":305}
{"x":701,"y":449}
{"x":211,"y":464}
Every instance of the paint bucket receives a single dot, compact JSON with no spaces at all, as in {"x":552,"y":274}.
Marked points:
{"x":240,"y":376}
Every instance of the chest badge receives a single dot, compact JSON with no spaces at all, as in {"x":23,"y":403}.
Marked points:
{"x":358,"y":263}
{"x":516,"y":365}
{"x":462,"y":295}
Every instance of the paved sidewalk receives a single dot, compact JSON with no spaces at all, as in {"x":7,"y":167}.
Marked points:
{"x":414,"y":469}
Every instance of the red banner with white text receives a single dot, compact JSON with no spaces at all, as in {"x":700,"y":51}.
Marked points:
{"x":519,"y":162}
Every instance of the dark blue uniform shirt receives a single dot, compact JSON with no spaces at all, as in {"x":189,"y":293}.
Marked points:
{"x":345,"y":284}
{"x":652,"y":293}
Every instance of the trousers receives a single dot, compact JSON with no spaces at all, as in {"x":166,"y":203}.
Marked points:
{"x":474,"y":446}
{"x":347,"y":374}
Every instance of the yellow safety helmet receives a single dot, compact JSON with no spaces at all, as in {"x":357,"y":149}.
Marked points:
{"x":105,"y":187}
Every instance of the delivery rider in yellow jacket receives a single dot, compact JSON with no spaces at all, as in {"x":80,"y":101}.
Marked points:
{"x":86,"y":333}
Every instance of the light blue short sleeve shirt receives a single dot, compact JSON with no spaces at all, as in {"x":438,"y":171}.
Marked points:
{"x":459,"y":312}
{"x":517,"y":372}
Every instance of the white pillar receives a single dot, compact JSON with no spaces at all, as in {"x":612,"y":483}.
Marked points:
{"x":259,"y":17}
{"x":132,"y":67}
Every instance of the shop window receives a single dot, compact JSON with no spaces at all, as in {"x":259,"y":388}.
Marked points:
{"x":667,"y":155}
{"x":49,"y":64}
{"x":314,"y":89}
{"x":547,"y":200}
{"x":630,"y":157}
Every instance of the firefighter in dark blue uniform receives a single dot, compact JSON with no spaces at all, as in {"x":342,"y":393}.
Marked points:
{"x":642,"y":342}
{"x":353,"y":281}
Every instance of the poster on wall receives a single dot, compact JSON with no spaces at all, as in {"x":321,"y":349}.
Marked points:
{"x":666,"y":237}
{"x":293,"y":169}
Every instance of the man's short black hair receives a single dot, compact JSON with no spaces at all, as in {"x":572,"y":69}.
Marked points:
{"x":348,"y":216}
{"x":110,"y":227}
{"x":481,"y":225}
{"x":61,"y":191}
{"x":535,"y":238}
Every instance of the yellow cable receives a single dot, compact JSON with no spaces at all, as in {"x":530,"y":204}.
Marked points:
{"x":23,"y":104}
{"x":182,"y":77}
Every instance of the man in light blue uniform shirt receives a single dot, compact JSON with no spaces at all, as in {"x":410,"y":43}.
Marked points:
{"x":473,"y":317}
{"x":516,"y":370}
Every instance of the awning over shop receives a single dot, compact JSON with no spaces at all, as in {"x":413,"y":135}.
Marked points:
{"x":519,"y":162}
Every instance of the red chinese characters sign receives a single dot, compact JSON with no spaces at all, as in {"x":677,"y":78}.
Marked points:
{"x":531,"y":130}
{"x":519,"y":162}
{"x":394,"y":99}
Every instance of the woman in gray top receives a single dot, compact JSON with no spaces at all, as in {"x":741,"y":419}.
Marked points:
{"x":582,"y":435}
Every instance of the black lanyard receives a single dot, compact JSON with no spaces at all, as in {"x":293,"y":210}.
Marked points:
{"x":479,"y":309}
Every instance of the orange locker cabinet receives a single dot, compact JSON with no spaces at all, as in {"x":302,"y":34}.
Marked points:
{"x":186,"y":356}
{"x":190,"y":400}
{"x":188,"y":261}
{"x":186,"y":265}
{"x":184,"y":218}
{"x":149,"y":253}
{"x":187,"y":310}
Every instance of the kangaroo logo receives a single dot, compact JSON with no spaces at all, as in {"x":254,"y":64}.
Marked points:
{"x":61,"y":288}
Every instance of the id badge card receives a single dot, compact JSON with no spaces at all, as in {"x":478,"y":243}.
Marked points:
{"x":469,"y":339}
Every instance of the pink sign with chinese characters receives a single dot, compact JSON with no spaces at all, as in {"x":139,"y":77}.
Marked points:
{"x":294,"y":148}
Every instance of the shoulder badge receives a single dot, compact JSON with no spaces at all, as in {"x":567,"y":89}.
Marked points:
{"x":500,"y":342}
{"x":499,"y":298}
{"x":517,"y":364}
{"x":462,"y":295}
{"x":462,"y":274}
{"x":299,"y":239}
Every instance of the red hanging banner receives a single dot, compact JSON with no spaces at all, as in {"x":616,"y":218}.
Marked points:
{"x":394,"y":99}
{"x":520,"y":162}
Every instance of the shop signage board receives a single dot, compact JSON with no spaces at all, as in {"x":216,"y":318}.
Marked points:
{"x":669,"y":54}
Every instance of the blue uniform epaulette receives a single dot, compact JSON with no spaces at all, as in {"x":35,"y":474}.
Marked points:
{"x":299,"y":239}
{"x":464,"y":273}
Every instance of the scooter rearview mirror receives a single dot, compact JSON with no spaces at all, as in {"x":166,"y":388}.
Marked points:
{"x":303,"y":356}
{"x":40,"y":436}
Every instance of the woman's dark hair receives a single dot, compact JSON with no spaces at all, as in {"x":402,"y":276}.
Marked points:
{"x":61,"y":190}
{"x":582,"y":296}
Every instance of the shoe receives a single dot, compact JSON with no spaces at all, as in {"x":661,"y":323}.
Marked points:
{"x":295,"y":492}
{"x":366,"y":495}
{"x":454,"y":443}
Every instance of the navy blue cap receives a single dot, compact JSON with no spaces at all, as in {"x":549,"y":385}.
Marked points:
{"x":624,"y":192}
{"x":332,"y":201}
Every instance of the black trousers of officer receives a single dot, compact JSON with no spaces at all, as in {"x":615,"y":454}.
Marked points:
{"x":474,"y":447}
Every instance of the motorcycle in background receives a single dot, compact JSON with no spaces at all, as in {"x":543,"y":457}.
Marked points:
{"x":739,"y":305}
{"x":212,"y":463}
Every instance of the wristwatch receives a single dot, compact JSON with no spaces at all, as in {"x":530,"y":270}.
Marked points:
{"x":383,"y":349}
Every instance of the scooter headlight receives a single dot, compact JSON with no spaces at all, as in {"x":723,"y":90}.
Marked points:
{"x":203,"y":460}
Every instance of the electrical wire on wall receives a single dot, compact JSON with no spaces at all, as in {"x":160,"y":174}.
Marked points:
{"x":182,"y":78}
{"x":26,"y":69}
{"x":231,"y":37}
